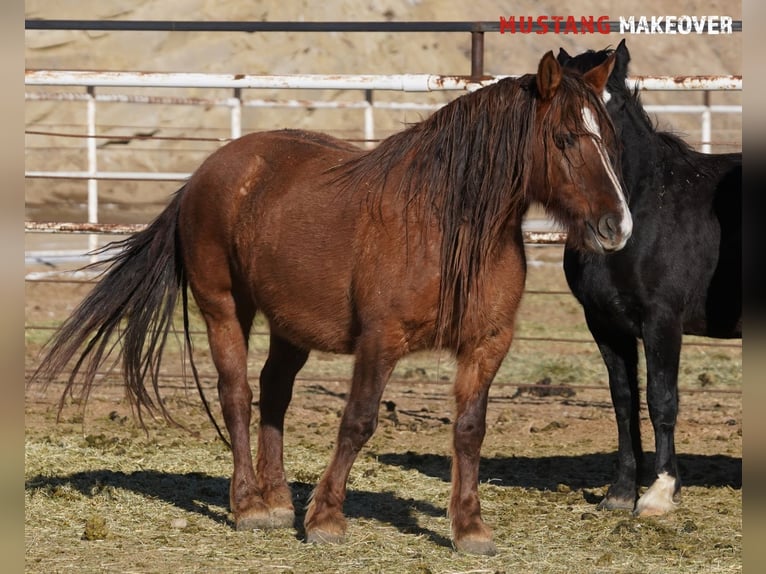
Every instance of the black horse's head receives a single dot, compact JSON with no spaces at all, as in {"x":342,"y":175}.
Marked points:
{"x":630,"y":120}
{"x":616,"y":93}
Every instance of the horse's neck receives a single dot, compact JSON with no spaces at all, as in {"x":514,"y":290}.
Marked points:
{"x":642,"y":153}
{"x":650,"y":161}
{"x":647,"y":160}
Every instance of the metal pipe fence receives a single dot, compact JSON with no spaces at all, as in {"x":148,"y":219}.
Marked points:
{"x":95,"y":85}
{"x":367,"y":84}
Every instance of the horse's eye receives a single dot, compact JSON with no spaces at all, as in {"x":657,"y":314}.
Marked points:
{"x":564,"y":140}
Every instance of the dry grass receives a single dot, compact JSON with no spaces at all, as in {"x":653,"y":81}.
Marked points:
{"x":102,"y":495}
{"x":112,"y":498}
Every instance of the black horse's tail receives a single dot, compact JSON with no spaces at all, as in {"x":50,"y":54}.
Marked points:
{"x":133,"y":304}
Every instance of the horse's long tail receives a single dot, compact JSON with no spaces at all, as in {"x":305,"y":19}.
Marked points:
{"x":133,"y":304}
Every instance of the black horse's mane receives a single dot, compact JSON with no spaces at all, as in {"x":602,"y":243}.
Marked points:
{"x":467,"y":165}
{"x":672,"y":143}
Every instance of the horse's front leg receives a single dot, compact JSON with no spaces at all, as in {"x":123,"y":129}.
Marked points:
{"x":475,"y":372}
{"x":662,"y":346}
{"x":372,"y":367}
{"x":620,"y":354}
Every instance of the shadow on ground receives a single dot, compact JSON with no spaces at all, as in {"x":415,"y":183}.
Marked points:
{"x":208,"y":495}
{"x":577,"y":472}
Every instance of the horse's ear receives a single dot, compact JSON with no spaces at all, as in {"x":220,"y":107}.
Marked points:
{"x":598,"y":76}
{"x":564,"y":57}
{"x":623,"y":59}
{"x":622,"y":49}
{"x":548,"y":76}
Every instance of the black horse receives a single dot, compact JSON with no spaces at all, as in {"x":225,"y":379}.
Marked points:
{"x":680,"y":273}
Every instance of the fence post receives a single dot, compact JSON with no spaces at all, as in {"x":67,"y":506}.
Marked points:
{"x":236,"y":114}
{"x":706,"y":123}
{"x":92,"y":166}
{"x":369,"y":120}
{"x":477,"y":55}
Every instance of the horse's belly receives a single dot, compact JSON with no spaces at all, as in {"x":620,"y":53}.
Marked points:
{"x":310,"y":330}
{"x":303,"y":291}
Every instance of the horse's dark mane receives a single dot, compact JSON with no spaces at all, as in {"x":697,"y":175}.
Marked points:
{"x":673,"y":143}
{"x":670,"y":142}
{"x":467,"y":165}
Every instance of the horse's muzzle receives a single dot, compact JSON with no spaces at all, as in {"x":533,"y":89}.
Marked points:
{"x":610,"y":233}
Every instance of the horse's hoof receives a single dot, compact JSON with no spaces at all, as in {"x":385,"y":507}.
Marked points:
{"x":644,"y":509}
{"x":324,"y":537}
{"x":616,"y":504}
{"x":661,"y":497}
{"x":473,"y":545}
{"x":254,"y":522}
{"x":270,"y":520}
{"x":324,"y":525}
{"x":282,"y":517}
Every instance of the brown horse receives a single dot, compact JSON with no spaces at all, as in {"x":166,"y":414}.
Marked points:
{"x":414,"y":245}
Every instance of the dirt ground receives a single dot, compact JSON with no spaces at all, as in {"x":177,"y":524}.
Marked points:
{"x":110,"y":498}
{"x":113,"y":497}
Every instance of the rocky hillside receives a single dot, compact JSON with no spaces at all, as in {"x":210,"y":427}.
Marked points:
{"x":280,"y":53}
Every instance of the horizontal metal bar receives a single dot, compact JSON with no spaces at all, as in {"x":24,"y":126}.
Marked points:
{"x":394,"y":82}
{"x":671,"y":83}
{"x":105,"y":228}
{"x":111,"y":175}
{"x":541,"y":237}
{"x":283,"y":26}
{"x":693,"y":108}
{"x":319,"y":104}
{"x":259,"y":26}
{"x":128,"y":98}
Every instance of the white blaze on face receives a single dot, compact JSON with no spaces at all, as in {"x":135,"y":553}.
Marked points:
{"x":626,"y":224}
{"x":605,"y":97}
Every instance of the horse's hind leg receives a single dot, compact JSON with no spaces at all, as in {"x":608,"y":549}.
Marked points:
{"x":276,"y":387}
{"x":229,"y":318}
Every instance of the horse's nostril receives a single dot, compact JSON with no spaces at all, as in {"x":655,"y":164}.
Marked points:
{"x":608,"y":226}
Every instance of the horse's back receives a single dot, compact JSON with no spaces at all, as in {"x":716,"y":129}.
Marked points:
{"x":261,"y":179}
{"x":714,"y":308}
{"x":270,"y":218}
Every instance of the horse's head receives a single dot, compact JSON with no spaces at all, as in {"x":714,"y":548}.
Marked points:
{"x":616,"y":93}
{"x":578,"y":157}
